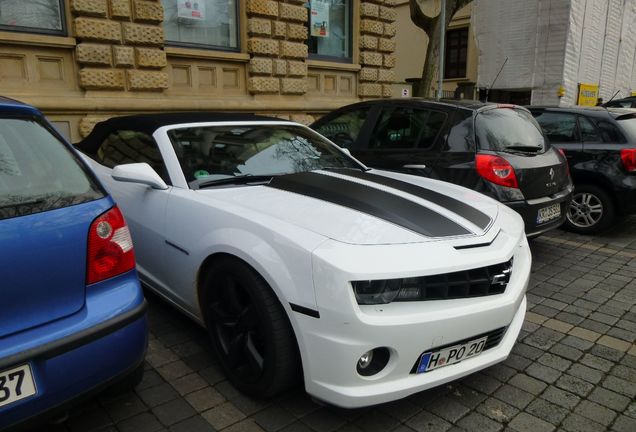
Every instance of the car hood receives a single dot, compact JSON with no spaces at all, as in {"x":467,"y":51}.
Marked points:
{"x":373,"y":207}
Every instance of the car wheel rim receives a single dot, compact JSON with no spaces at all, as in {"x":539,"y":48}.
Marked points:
{"x":586,"y":210}
{"x":235,"y":323}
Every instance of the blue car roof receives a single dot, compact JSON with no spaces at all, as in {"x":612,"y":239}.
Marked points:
{"x":11,"y":106}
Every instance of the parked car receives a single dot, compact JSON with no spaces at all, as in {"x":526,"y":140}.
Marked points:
{"x":628,"y":102}
{"x":73,"y":318}
{"x":296,"y":257}
{"x":600,"y":144}
{"x":497,"y":150}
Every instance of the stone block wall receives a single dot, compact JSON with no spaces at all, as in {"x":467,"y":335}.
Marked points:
{"x":377,"y":45}
{"x":276,"y":44}
{"x":120,"y":44}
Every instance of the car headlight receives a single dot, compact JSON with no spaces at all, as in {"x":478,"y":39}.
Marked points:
{"x":376,"y":291}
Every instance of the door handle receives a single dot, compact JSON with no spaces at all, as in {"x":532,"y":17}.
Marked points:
{"x":414,"y":166}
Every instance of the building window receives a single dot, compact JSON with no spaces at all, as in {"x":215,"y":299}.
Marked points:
{"x":32,"y":16}
{"x":330,"y":29}
{"x":456,"y":53}
{"x":201,"y":23}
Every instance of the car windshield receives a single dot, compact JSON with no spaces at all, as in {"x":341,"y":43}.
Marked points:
{"x":37,"y":171}
{"x":220,"y":153}
{"x":505,"y":129}
{"x":629,"y":127}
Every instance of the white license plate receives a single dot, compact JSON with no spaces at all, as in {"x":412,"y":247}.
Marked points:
{"x":448,"y":356}
{"x":548,"y":213}
{"x":16,"y":384}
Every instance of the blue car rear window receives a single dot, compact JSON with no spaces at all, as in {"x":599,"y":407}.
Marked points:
{"x":38,"y":172}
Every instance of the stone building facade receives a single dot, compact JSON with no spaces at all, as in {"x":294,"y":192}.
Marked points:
{"x":112,"y":58}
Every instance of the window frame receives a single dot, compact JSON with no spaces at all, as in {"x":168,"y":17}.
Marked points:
{"x":334,"y":59}
{"x":418,"y":139}
{"x":209,"y":47}
{"x":330,"y":118}
{"x":36,"y":30}
{"x":447,"y":53}
{"x":582,"y":119}
{"x":163,"y":173}
{"x":577,"y":133}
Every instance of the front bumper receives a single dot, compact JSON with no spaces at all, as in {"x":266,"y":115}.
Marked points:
{"x":73,"y":356}
{"x":332,"y":344}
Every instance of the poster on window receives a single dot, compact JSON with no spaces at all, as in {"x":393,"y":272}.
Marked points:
{"x":319,"y":22}
{"x":191,"y":9}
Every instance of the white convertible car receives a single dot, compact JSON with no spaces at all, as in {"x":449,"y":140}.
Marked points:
{"x":300,"y":260}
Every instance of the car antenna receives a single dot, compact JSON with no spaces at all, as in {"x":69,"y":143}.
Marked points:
{"x":611,"y":99}
{"x":493,"y":81}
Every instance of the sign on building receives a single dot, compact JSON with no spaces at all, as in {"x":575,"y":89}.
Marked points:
{"x":191,"y":9}
{"x":588,"y":94}
{"x":319,"y":18}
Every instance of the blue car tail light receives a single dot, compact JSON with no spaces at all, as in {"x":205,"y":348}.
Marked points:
{"x":110,"y":248}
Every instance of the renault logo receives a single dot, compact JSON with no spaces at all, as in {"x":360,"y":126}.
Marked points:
{"x":551,"y":173}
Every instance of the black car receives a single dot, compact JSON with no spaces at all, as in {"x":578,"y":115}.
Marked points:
{"x":498,"y":150}
{"x":628,"y":102}
{"x":600,"y":144}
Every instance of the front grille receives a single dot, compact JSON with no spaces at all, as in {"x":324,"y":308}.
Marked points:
{"x":483,"y":281}
{"x":494,"y":337}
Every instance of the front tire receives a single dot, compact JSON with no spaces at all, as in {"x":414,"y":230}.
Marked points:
{"x":590,"y":211}
{"x":250,"y":331}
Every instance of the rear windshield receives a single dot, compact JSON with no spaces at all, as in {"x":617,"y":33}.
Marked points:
{"x":629,"y":127}
{"x":506,"y":129}
{"x":37,"y":171}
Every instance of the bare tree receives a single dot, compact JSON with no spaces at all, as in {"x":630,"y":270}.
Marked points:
{"x":431,"y":25}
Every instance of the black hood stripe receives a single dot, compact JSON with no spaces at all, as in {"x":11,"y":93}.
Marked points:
{"x":464,"y":210}
{"x":375,"y":202}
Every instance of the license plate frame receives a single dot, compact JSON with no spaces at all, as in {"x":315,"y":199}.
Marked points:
{"x":548,"y":213}
{"x":16,"y":383}
{"x":451,"y":355}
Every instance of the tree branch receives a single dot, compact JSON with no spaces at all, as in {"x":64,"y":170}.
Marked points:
{"x":418,"y":17}
{"x":454,"y":6}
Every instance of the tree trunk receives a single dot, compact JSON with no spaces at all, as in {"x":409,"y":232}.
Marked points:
{"x":431,"y":63}
{"x":430,"y":25}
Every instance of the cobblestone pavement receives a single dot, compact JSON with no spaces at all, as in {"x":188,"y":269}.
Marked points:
{"x":573,"y":368}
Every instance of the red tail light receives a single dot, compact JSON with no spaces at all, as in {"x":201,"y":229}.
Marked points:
{"x":567,"y":163}
{"x":110,"y":248}
{"x":628,"y":156}
{"x":496,"y":169}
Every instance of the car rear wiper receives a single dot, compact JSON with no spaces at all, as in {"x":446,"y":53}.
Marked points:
{"x":524,"y":148}
{"x":239,"y":179}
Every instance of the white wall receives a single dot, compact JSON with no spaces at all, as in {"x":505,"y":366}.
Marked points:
{"x":532,"y":35}
{"x":601,"y":48}
{"x":551,"y":43}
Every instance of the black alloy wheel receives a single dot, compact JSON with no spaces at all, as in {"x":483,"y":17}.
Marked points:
{"x":250,"y":332}
{"x":591,"y":210}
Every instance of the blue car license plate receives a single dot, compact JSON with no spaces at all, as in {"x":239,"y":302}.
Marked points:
{"x":16,"y":384}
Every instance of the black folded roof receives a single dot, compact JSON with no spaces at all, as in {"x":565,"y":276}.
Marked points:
{"x":149,"y":123}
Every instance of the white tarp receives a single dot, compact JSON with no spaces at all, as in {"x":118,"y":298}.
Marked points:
{"x":550,"y":43}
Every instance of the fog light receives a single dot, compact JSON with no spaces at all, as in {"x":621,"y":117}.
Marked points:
{"x":372,"y":362}
{"x":365,"y":360}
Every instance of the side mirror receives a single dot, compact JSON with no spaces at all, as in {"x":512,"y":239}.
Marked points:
{"x":141,"y":173}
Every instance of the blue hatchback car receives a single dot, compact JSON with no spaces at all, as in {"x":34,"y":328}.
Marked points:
{"x":72,"y":312}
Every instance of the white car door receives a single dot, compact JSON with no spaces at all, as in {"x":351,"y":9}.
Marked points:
{"x":144,"y":207}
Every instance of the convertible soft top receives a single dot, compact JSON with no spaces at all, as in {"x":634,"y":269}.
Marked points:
{"x":149,"y":123}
